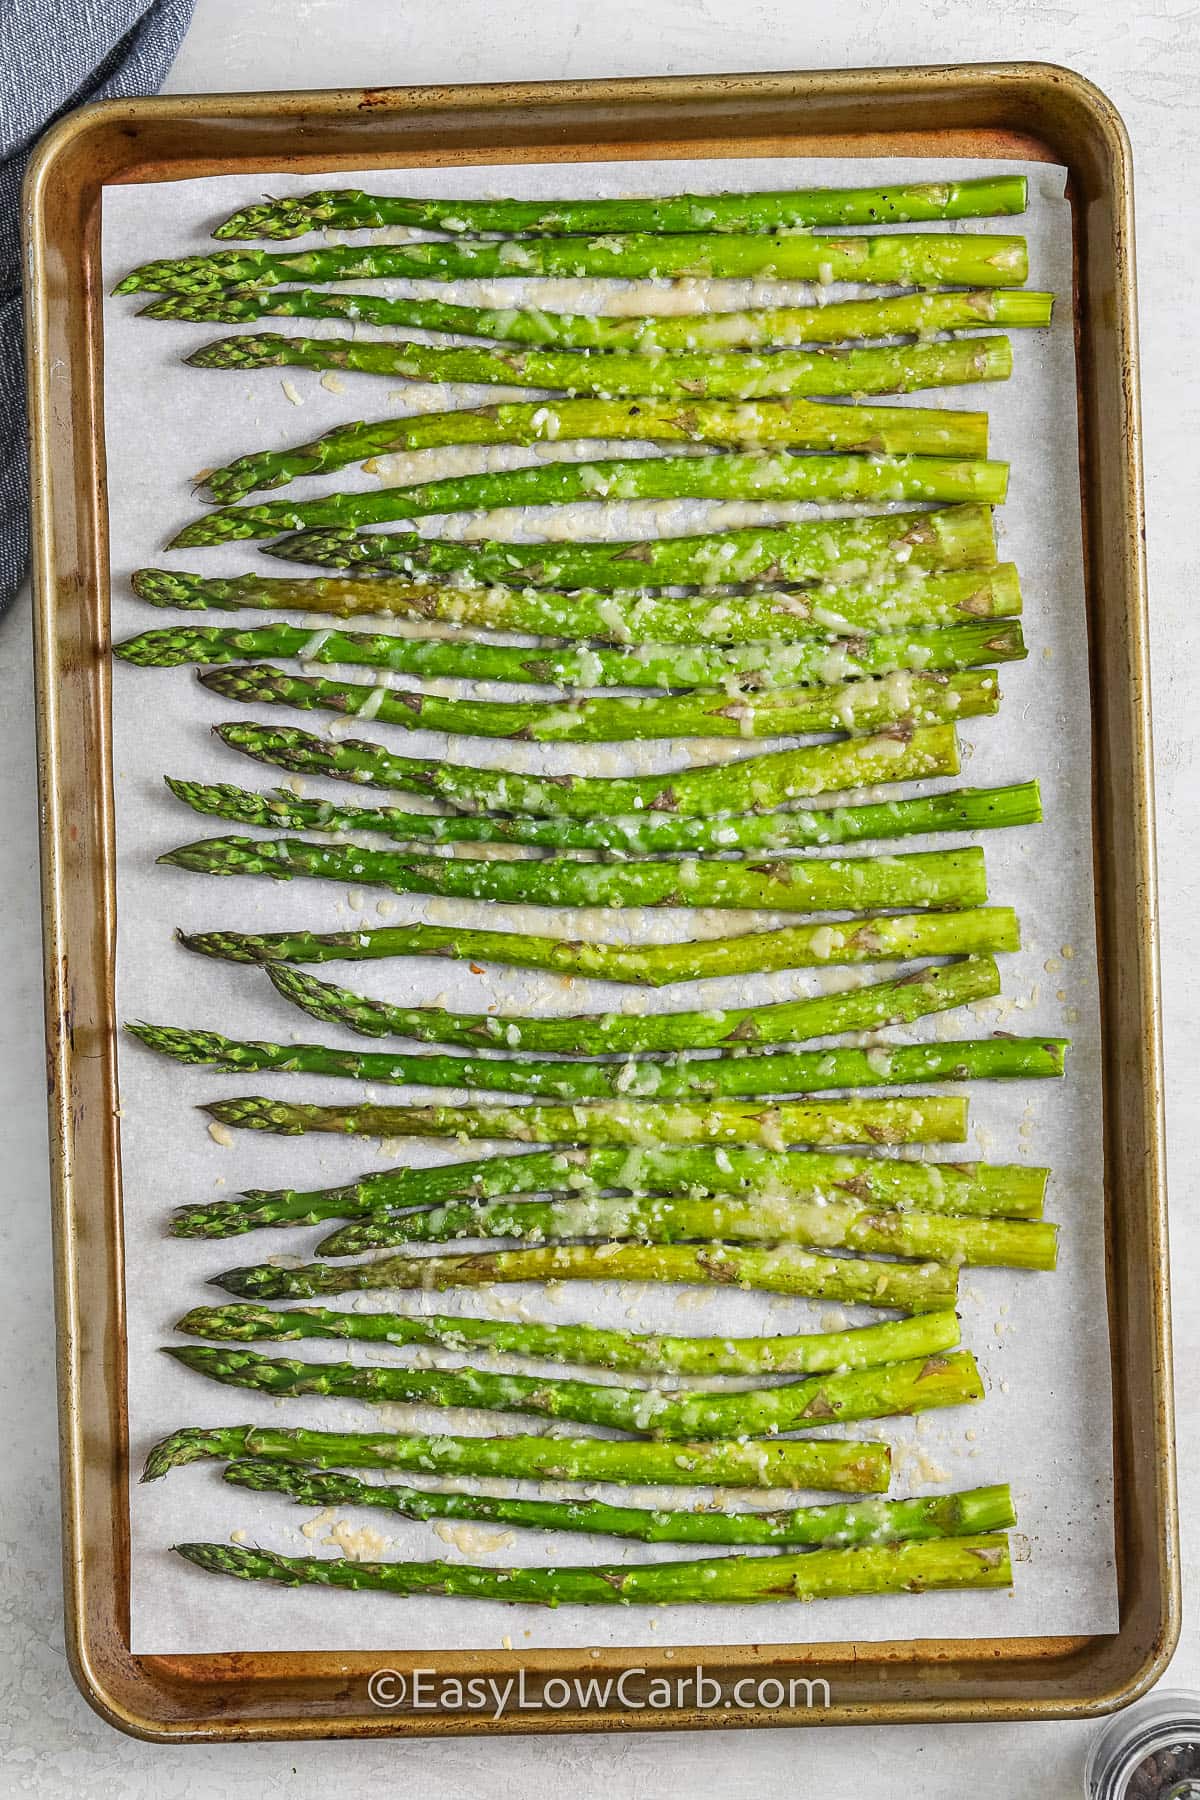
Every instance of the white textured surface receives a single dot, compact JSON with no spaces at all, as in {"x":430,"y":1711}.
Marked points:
{"x":1149,"y":63}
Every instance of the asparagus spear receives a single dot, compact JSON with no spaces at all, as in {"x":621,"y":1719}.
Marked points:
{"x":803,"y":424}
{"x":755,"y":784}
{"x":758,"y":1219}
{"x":633,"y":834}
{"x":767,"y":1073}
{"x":783,"y":1269}
{"x":887,"y":1184}
{"x":781,"y":618}
{"x":964,"y":1562}
{"x":611,"y":374}
{"x":915,"y":259}
{"x":853,"y":549}
{"x":836,"y":1464}
{"x":346,"y":209}
{"x":814,"y":1353}
{"x":897,"y":1001}
{"x":934,"y":878}
{"x":888,"y":1391}
{"x":887,"y":938}
{"x":820,"y":659}
{"x":905,"y":699}
{"x":725,"y":477}
{"x":839,"y":321}
{"x":930,"y":1119}
{"x":836,"y":1525}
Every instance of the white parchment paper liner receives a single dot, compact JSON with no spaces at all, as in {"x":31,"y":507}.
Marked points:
{"x":1042,"y":1340}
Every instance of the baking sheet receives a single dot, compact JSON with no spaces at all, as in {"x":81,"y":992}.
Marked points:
{"x":1042,"y":1340}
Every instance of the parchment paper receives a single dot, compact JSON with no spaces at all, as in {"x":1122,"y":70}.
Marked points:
{"x":1042,"y":1339}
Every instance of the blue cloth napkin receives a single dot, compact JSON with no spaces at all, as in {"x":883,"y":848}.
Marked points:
{"x":56,"y":55}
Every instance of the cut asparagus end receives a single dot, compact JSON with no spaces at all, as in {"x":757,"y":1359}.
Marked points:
{"x":1021,"y":307}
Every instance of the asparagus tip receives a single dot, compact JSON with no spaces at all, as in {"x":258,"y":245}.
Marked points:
{"x":238,"y":1281}
{"x":192,"y":1444}
{"x":212,"y":1557}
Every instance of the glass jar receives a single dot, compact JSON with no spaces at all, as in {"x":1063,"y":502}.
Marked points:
{"x":1151,"y":1752}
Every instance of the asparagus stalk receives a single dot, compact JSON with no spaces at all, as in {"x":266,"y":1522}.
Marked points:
{"x":836,"y":1525}
{"x":837,"y":322}
{"x":852,"y":549}
{"x":802,"y":424}
{"x":887,"y":1184}
{"x":930,"y":1119}
{"x":781,"y":618}
{"x":821,"y":660}
{"x":782,"y":1269}
{"x":611,"y":374}
{"x":759,"y":1219}
{"x":891,"y":937}
{"x":905,"y":699}
{"x":915,"y":259}
{"x":835,"y":1464}
{"x":814,"y":1353}
{"x":725,"y":477}
{"x":634,"y":834}
{"x":345,"y":209}
{"x":964,"y":1562}
{"x":755,"y":784}
{"x":888,"y":1391}
{"x":764,"y":1074}
{"x":934,"y":878}
{"x":897,"y":1001}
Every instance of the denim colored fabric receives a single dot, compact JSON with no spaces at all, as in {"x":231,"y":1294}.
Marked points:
{"x":56,"y":55}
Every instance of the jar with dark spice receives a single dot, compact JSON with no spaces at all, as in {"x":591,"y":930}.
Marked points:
{"x":1151,"y":1752}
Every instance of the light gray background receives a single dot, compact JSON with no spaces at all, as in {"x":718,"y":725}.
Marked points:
{"x":1148,"y":60}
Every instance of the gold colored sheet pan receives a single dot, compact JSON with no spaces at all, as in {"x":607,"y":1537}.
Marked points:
{"x":1025,"y":110}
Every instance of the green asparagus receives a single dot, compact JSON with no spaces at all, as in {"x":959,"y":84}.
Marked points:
{"x":822,"y":660}
{"x":782,"y":1269}
{"x":814,"y":1353}
{"x":931,"y":1119}
{"x":758,"y":477}
{"x":905,"y":699}
{"x":802,"y":424}
{"x":897,"y":1001}
{"x":754,"y":784}
{"x":613,"y":375}
{"x":834,"y":1464}
{"x":779,"y":618}
{"x":890,"y":937}
{"x":852,"y":549}
{"x":964,"y":1562}
{"x":888,"y":1391}
{"x":764,"y":1073}
{"x":914,"y":259}
{"x":633,"y":834}
{"x":346,"y":209}
{"x":884,"y":1183}
{"x":933,"y":878}
{"x":836,"y":1525}
{"x":837,"y":322}
{"x":758,"y":1219}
